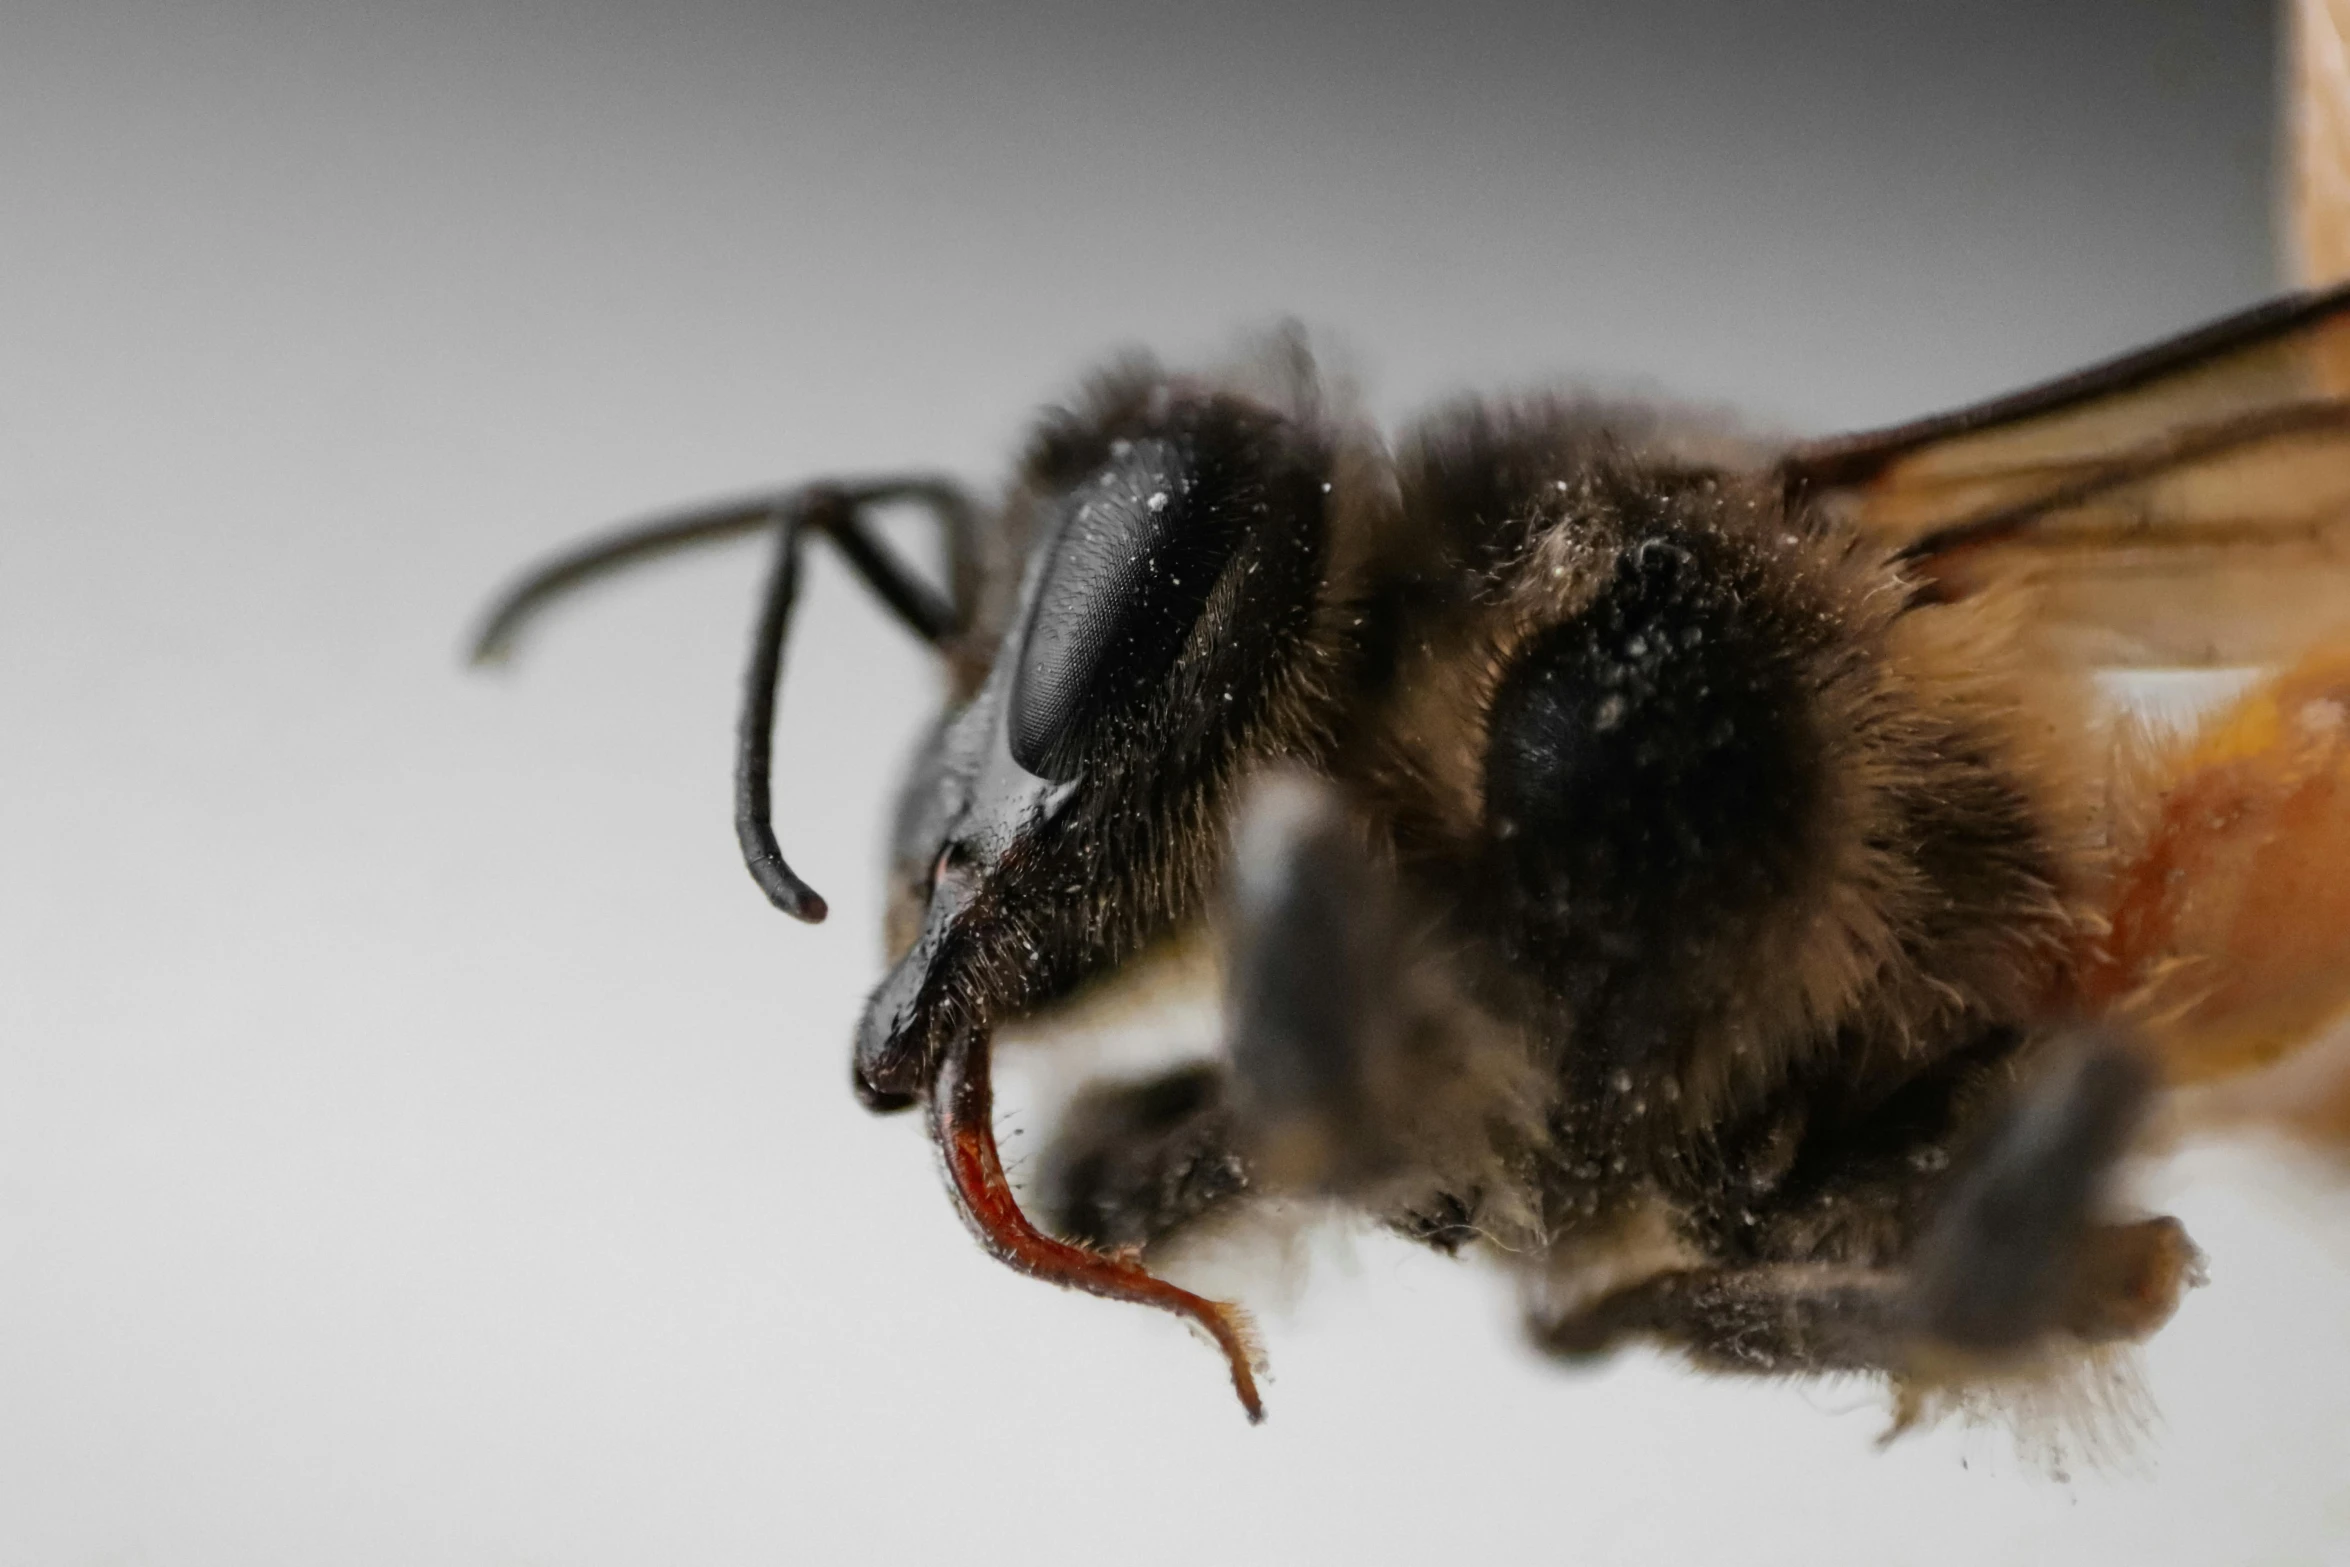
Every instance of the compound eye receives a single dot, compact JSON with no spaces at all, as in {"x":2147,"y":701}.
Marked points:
{"x":1139,"y":547}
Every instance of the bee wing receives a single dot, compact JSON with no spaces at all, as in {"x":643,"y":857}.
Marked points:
{"x":2256,"y":969}
{"x":2188,"y":504}
{"x":2317,"y":213}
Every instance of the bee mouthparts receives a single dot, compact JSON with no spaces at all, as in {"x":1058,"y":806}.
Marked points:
{"x":962,"y":1104}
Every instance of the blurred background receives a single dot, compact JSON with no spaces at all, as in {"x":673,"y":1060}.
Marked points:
{"x":418,"y":1141}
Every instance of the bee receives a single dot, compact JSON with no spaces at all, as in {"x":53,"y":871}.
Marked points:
{"x":1697,"y":875}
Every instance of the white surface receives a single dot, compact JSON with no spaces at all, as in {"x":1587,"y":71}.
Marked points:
{"x":417,"y":1141}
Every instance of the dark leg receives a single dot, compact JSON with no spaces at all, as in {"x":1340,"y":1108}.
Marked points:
{"x":2011,"y":1254}
{"x":1808,"y":1317}
{"x":1357,"y":1072}
{"x":1135,"y":1162}
{"x":1313,"y":958}
{"x":1779,"y":1317}
{"x":1360,"y":1070}
{"x":2012,"y":1261}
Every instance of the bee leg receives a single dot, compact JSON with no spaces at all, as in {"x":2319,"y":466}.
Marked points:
{"x":1134,"y":1162}
{"x":2012,"y":1254}
{"x":1773,"y":1318}
{"x":1778,"y":1318}
{"x":1360,"y":1071}
{"x":1769,"y":1318}
{"x":1309,"y":938}
{"x":1357,"y":1071}
{"x":2012,"y":1259}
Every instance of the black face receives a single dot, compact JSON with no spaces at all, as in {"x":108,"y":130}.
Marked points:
{"x":1073,"y":807}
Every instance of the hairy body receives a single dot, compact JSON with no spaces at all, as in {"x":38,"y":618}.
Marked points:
{"x":1691,"y":871}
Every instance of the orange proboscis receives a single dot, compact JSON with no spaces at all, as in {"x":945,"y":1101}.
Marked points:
{"x":2230,"y":922}
{"x":962,"y":1109}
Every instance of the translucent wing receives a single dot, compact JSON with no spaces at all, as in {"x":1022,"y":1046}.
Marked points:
{"x":2185,"y":505}
{"x":2317,"y":212}
{"x":2229,"y":921}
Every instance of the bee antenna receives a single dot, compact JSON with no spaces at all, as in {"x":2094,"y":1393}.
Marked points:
{"x":921,"y":608}
{"x":835,"y":510}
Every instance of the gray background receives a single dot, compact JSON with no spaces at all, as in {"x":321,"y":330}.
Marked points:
{"x":417,"y":1141}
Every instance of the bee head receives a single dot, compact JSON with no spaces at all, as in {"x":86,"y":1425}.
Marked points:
{"x":1172,"y":626}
